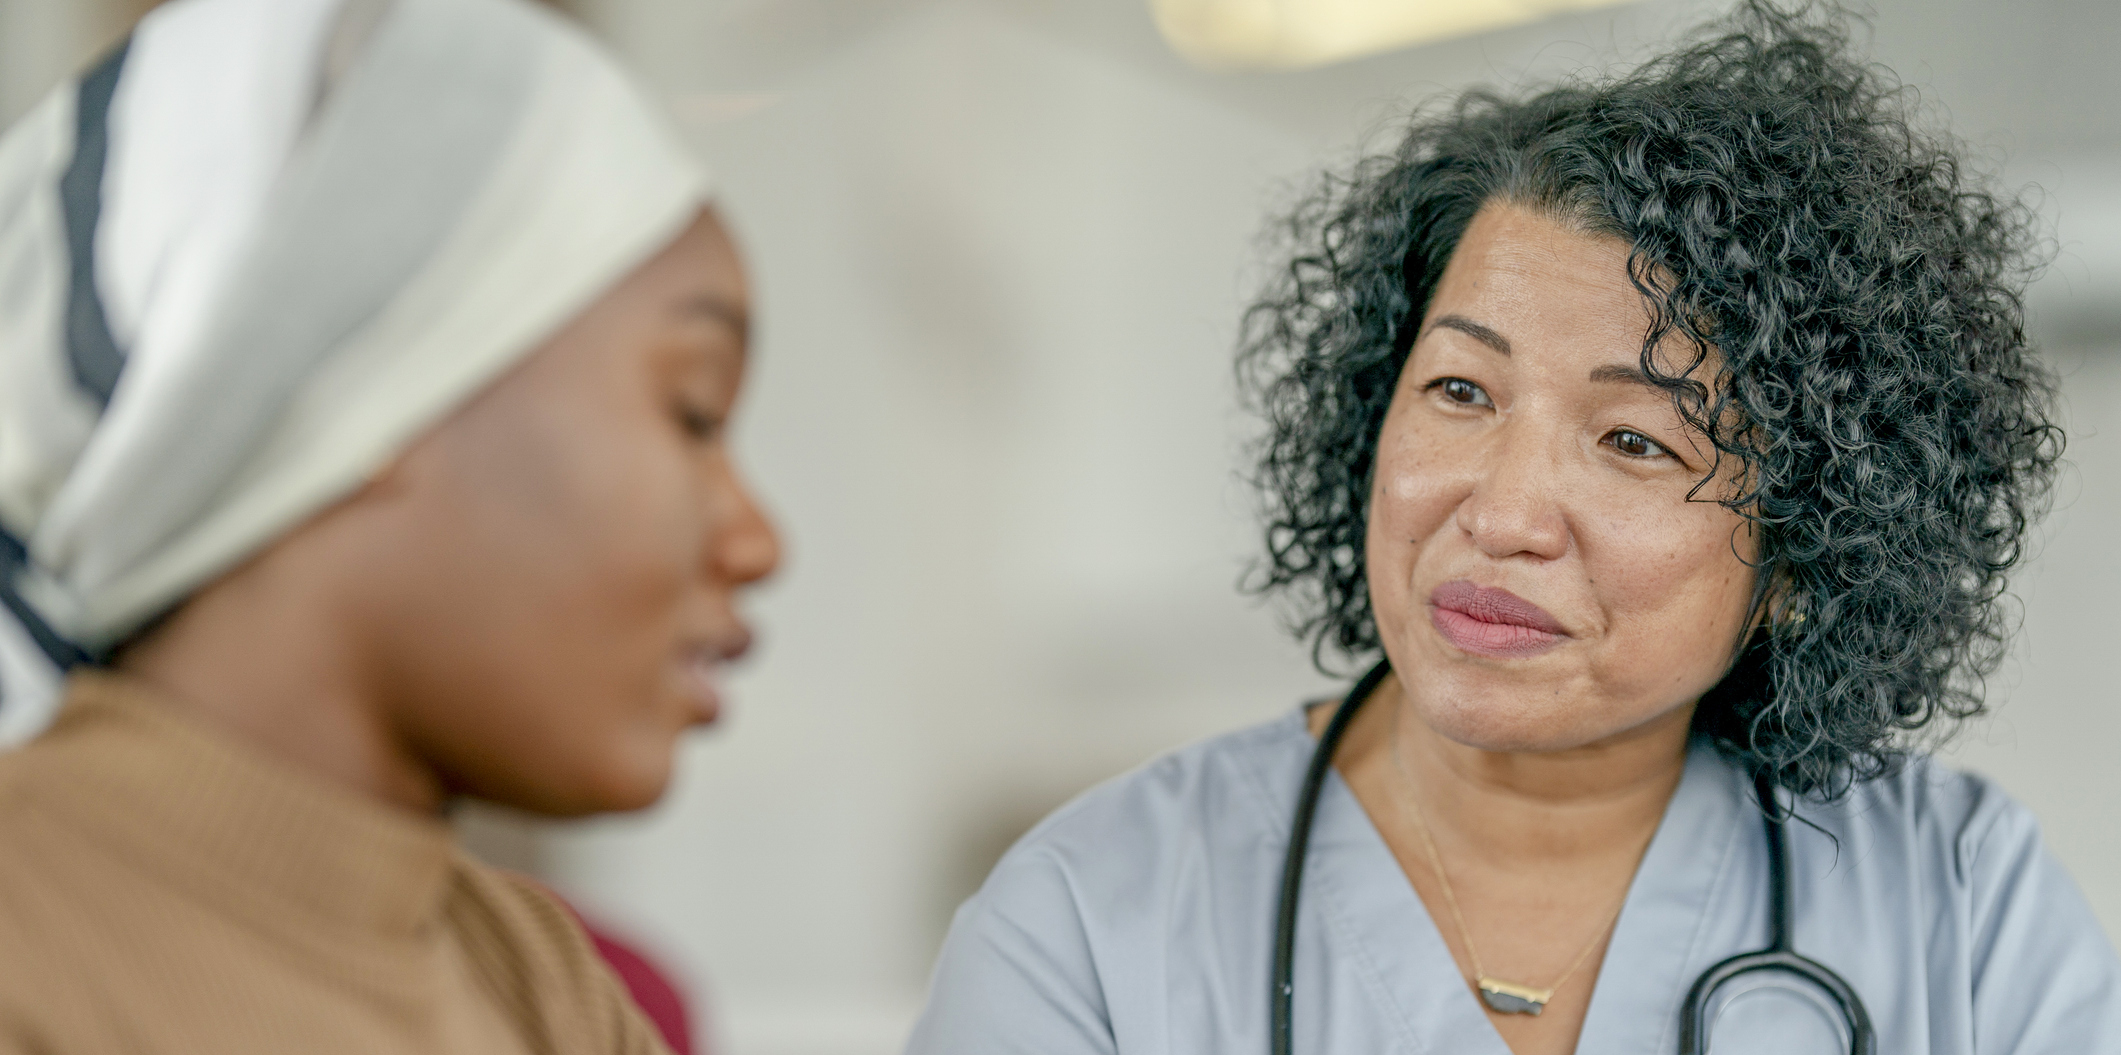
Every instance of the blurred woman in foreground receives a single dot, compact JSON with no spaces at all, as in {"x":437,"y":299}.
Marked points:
{"x":1660,"y":443}
{"x":364,"y":370}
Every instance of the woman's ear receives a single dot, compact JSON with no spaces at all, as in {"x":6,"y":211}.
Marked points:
{"x":1768,"y":583}
{"x":1782,"y":608}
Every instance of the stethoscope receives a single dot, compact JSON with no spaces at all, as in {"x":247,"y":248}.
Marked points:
{"x":1693,"y":1017}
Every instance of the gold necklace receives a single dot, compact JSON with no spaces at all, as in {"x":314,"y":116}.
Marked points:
{"x":1508,"y":998}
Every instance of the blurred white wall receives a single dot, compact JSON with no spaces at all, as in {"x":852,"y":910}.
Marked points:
{"x":1000,"y":248}
{"x":998,"y":277}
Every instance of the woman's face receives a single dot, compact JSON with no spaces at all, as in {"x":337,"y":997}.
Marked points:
{"x":560,"y":587}
{"x":1539,"y":576}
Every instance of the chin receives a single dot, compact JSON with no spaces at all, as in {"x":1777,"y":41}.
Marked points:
{"x":632,"y":764}
{"x":620,"y":785}
{"x":628,"y":802}
{"x":637,"y":786}
{"x":1508,"y":736}
{"x":1505,"y":725}
{"x":605,"y":797}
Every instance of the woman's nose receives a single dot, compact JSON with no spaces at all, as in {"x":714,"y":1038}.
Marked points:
{"x":1514,"y":507}
{"x":745,"y":547}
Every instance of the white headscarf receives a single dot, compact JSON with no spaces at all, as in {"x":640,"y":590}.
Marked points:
{"x":250,"y":256}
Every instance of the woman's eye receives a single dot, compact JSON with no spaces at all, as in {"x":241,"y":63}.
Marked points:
{"x":1460,"y":390}
{"x":1635,"y":444}
{"x":698,"y":423}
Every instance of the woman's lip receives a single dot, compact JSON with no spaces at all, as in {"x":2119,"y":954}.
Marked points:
{"x":703,"y":686}
{"x":1490,"y":621}
{"x":702,"y":667}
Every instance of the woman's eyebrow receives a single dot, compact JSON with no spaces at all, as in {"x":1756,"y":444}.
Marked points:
{"x":719,"y":309}
{"x":1474,"y":330}
{"x":1625,"y":375}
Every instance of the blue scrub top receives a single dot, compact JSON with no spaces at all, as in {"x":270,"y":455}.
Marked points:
{"x":1139,"y":920}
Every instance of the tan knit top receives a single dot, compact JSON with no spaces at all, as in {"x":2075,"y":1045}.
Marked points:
{"x":163,"y":889}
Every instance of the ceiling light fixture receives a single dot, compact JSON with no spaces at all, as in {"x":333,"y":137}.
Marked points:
{"x":1292,"y":34}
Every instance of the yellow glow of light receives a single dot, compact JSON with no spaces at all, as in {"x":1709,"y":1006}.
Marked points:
{"x":1291,"y":34}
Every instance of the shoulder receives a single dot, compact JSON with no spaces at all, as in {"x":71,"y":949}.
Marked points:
{"x":1995,"y":909}
{"x":50,"y":873}
{"x":532,"y":948}
{"x":25,"y":900}
{"x":1105,"y":863}
{"x":66,"y":906}
{"x":514,"y":912}
{"x":1235,"y":786}
{"x":1957,"y":854}
{"x":1075,"y":926}
{"x":1961,"y":824}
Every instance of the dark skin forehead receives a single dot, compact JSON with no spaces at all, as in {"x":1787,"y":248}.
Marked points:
{"x":708,"y":284}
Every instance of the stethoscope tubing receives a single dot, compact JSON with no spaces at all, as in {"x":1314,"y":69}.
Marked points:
{"x":1780,"y":955}
{"x":1292,"y":867}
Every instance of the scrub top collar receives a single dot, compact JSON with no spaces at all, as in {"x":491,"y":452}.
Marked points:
{"x":1370,"y":912}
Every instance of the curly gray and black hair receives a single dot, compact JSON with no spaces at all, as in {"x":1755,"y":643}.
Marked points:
{"x":1871,"y":375}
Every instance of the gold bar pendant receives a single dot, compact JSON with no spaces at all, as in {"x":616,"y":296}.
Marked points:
{"x":1513,"y":999}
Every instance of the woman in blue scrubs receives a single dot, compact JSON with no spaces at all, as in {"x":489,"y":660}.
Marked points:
{"x":1658,"y":435}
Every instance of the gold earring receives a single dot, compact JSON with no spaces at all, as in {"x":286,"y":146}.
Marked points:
{"x":1790,"y":620}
